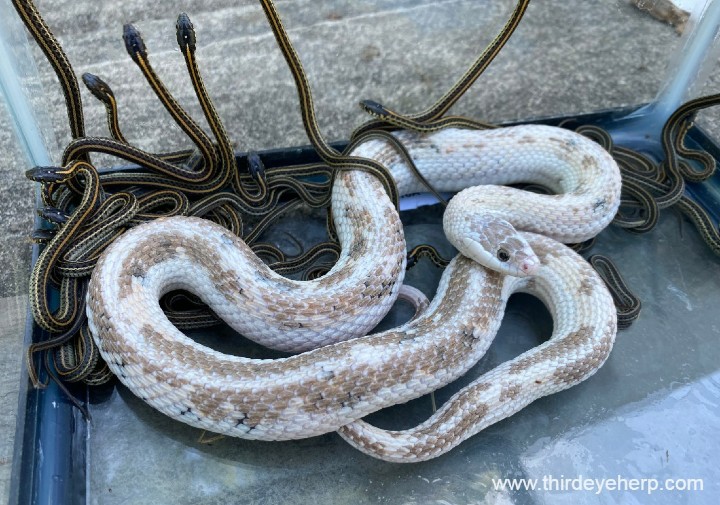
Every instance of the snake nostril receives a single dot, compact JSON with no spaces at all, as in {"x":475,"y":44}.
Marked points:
{"x":528,"y":267}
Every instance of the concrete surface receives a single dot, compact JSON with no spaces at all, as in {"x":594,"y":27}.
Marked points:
{"x":566,"y":57}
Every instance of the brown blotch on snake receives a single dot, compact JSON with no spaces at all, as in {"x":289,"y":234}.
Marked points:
{"x":586,"y":287}
{"x":553,"y":352}
{"x":509,"y":392}
{"x":579,"y":369}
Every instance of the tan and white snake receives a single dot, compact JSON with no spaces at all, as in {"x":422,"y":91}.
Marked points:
{"x":329,"y":387}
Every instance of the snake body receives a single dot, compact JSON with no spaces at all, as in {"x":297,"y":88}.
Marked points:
{"x":585,"y":324}
{"x":323,"y":389}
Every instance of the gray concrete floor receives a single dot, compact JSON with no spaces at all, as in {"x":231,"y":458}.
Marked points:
{"x":566,"y":57}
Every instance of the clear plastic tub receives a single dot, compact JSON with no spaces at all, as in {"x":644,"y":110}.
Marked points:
{"x":652,"y":413}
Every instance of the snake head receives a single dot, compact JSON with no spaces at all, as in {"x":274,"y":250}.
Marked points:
{"x":134,"y":43}
{"x":256,"y":167}
{"x":493,"y":242}
{"x":185,"y":32}
{"x":48,"y":174}
{"x":53,"y":215}
{"x":373,"y":108}
{"x":42,"y":236}
{"x":98,"y":87}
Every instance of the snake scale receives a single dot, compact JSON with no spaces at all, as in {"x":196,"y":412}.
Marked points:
{"x":331,"y":386}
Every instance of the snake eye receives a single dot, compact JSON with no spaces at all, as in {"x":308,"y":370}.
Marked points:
{"x":503,"y":255}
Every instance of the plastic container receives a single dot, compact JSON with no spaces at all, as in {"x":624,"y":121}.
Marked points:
{"x":651,"y":413}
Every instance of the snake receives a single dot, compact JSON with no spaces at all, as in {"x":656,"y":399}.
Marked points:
{"x":322,"y":390}
{"x":585,"y":325}
{"x":337,"y":379}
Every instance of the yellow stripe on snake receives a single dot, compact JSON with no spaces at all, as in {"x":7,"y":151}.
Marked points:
{"x":326,"y":388}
